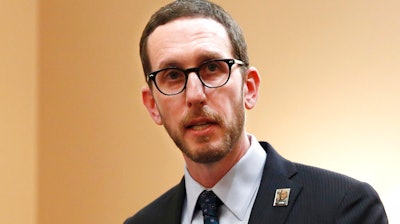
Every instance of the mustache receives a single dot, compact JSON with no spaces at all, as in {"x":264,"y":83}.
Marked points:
{"x":203,"y":112}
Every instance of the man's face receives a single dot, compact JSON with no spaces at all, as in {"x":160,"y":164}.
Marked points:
{"x":205,"y":123}
{"x":283,"y":195}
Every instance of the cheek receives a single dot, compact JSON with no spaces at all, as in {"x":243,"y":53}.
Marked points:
{"x":169,"y":109}
{"x":228,"y":103}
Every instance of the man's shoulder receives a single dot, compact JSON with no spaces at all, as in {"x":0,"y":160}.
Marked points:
{"x":168,"y":206}
{"x":315,"y":180}
{"x":308,"y":173}
{"x":324,"y":192}
{"x":319,"y":181}
{"x":305,"y":174}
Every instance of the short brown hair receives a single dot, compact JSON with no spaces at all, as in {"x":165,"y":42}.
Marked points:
{"x":194,"y":8}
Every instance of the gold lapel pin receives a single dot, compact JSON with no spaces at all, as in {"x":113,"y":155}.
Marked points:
{"x":281,"y":197}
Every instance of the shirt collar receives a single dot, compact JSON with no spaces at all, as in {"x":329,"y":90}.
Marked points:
{"x":238,"y":187}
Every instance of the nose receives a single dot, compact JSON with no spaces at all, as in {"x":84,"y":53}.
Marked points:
{"x":195,"y":95}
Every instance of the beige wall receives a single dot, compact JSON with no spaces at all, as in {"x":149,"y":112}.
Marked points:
{"x":18,"y":111}
{"x":330,"y":97}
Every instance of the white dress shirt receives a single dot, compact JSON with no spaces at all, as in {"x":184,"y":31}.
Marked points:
{"x":237,"y":189}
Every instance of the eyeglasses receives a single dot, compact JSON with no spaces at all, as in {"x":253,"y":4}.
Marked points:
{"x":212,"y":74}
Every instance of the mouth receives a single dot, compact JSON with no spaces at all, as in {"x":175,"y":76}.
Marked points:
{"x":200,"y":125}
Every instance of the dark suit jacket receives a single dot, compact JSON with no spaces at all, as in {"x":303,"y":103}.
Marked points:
{"x":317,"y":196}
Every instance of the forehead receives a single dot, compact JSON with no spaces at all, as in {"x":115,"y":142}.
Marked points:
{"x":188,"y":39}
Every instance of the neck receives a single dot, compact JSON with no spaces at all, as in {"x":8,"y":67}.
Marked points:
{"x":209,"y":174}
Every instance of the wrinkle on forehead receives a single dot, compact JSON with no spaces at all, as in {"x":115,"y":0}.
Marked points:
{"x":188,"y":39}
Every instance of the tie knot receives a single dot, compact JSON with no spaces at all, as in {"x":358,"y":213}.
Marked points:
{"x":209,"y":204}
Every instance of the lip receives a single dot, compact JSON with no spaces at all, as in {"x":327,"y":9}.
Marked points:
{"x":200,"y":124}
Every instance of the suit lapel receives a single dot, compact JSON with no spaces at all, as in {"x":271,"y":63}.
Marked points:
{"x":276,"y":175}
{"x":173,"y":214}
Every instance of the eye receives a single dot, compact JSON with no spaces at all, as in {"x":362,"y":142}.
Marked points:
{"x":171,"y":75}
{"x":212,"y":66}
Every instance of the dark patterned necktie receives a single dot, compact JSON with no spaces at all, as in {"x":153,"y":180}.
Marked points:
{"x":209,"y":204}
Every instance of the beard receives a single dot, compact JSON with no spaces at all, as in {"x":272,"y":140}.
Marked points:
{"x":209,"y":150}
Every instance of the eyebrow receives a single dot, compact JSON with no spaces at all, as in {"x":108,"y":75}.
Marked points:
{"x":205,"y":56}
{"x":168,"y":63}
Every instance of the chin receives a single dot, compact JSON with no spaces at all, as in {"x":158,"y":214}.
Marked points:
{"x":207,"y":154}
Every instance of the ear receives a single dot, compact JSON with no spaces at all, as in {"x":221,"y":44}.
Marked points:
{"x":252,"y":84}
{"x":150,"y":103}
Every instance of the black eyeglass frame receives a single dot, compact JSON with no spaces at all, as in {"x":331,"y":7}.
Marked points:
{"x":230,"y":62}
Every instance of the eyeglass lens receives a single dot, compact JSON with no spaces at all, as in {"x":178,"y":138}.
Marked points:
{"x":212,"y":74}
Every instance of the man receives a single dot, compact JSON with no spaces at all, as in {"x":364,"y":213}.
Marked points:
{"x":199,"y":84}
